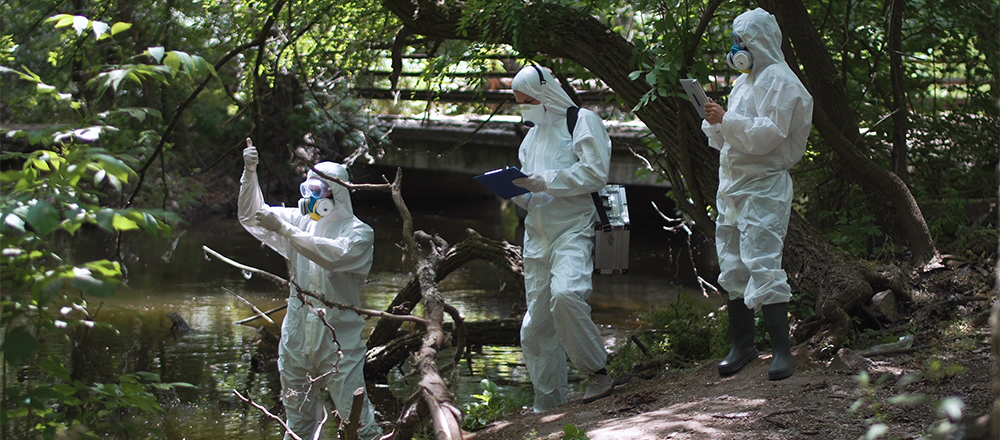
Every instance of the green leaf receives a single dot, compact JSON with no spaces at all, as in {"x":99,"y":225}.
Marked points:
{"x":120,"y":27}
{"x":105,"y":268}
{"x":62,"y":20}
{"x":113,"y":166}
{"x":43,"y":217}
{"x":172,"y":61}
{"x":121,"y":223}
{"x":19,"y":346}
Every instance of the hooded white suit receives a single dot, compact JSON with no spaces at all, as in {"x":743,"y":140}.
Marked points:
{"x":761,"y":136}
{"x":558,"y":239}
{"x":332,"y":257}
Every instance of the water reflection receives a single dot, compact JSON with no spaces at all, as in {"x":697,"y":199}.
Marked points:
{"x":218,"y":357}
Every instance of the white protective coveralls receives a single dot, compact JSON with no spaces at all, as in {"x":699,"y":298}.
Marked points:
{"x":558,"y":239}
{"x":332,"y":257}
{"x":761,"y":136}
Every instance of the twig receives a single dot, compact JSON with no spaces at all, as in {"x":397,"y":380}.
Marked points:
{"x":359,"y":310}
{"x":267,"y":313}
{"x":260,"y":314}
{"x":273,"y":277}
{"x":268,"y":413}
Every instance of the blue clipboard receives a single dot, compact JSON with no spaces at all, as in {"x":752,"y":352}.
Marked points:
{"x":500,"y":181}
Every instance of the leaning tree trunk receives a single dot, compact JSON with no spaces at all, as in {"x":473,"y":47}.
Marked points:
{"x":833,"y":118}
{"x":835,"y":281}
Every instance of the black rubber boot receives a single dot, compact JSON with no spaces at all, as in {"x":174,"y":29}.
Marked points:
{"x":741,"y":333}
{"x":776,"y":318}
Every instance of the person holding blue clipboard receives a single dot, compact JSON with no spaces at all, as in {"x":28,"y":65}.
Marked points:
{"x":564,"y":159}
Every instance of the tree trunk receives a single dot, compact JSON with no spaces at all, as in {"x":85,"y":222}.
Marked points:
{"x":900,"y":115}
{"x":830,"y":278}
{"x":834,"y":119}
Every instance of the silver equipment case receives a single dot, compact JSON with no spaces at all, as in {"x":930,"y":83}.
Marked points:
{"x":611,"y":241}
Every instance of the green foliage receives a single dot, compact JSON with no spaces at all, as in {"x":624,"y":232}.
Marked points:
{"x":683,"y":333}
{"x":46,"y":195}
{"x":874,"y":408}
{"x":490,"y":406}
{"x":878,"y":400}
{"x":854,"y":228}
{"x":571,"y":432}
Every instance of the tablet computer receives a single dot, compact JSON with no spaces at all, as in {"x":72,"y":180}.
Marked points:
{"x":696,"y":94}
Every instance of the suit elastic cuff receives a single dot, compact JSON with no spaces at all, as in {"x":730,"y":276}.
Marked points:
{"x":287,"y":230}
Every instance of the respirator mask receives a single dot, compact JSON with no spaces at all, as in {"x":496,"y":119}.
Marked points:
{"x":315,"y":201}
{"x":532,"y":114}
{"x":739,"y":58}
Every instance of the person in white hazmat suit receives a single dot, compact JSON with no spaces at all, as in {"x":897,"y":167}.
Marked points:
{"x":562,"y":170}
{"x":762,"y":135}
{"x":330,"y":253}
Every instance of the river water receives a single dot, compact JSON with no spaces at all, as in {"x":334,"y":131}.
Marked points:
{"x":218,"y":356}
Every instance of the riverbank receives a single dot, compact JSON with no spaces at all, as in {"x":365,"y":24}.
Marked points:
{"x":814,"y":403}
{"x":950,"y":361}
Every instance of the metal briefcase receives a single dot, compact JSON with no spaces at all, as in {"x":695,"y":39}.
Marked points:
{"x":611,"y":239}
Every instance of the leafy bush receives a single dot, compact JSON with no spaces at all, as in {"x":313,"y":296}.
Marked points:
{"x":51,"y":190}
{"x":490,"y":405}
{"x":685,"y":332}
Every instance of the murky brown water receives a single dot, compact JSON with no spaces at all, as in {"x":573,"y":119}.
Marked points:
{"x":218,"y":357}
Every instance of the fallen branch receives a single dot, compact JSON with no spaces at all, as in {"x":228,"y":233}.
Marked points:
{"x":260,"y":314}
{"x":267,"y":313}
{"x":268,"y":414}
{"x":281,"y":281}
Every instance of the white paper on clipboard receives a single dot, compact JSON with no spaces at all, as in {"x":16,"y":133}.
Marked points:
{"x":696,"y":94}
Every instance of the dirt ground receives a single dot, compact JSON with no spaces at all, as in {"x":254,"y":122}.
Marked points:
{"x":815,"y":403}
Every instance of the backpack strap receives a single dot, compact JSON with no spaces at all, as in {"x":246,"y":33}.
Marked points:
{"x":572,"y":114}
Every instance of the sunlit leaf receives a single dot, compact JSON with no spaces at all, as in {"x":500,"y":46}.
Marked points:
{"x":40,"y":164}
{"x":80,"y":24}
{"x":951,"y":408}
{"x":172,"y":61}
{"x":88,"y":134}
{"x":63,"y":20}
{"x":14,"y":222}
{"x":99,"y":28}
{"x":120,"y":27}
{"x":99,"y":177}
{"x":156,"y":53}
{"x":122,"y":223}
{"x":114,"y":166}
{"x":105,"y":268}
{"x":114,"y":182}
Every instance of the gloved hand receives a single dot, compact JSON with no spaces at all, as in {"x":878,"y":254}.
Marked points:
{"x":533,"y":182}
{"x":267,"y":219}
{"x":250,"y":159}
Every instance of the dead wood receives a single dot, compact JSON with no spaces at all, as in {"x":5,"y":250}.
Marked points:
{"x":503,"y":255}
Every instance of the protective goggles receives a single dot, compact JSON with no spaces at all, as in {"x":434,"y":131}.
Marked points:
{"x":315,"y":188}
{"x":737,"y":41}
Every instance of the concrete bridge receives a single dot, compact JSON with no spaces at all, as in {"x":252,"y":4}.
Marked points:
{"x":472,"y":145}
